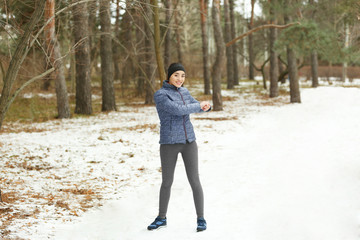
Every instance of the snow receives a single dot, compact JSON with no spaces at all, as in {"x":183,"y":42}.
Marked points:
{"x":41,"y":95}
{"x":269,"y":171}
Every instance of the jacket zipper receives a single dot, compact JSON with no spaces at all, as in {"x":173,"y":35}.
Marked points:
{"x":183,"y":115}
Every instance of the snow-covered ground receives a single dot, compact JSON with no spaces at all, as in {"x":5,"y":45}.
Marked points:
{"x":270,"y":171}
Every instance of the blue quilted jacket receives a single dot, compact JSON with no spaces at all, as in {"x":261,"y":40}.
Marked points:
{"x":174,"y":106}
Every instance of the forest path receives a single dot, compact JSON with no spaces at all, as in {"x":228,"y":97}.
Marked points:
{"x":288,"y":173}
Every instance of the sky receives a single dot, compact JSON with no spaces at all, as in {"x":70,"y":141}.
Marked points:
{"x":245,"y":6}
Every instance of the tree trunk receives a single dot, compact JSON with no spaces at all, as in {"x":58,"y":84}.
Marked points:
{"x":20,"y":53}
{"x":314,"y":69}
{"x":82,"y":58}
{"x":251,"y":57}
{"x":346,"y":46}
{"x":205,"y":45}
{"x":234,"y":46}
{"x":107,"y":72}
{"x":274,"y":71}
{"x":281,"y":71}
{"x":293,"y":75}
{"x":150,"y":68}
{"x":157,"y":41}
{"x":229,"y":52}
{"x":128,"y":71}
{"x":47,"y":79}
{"x":293,"y":71}
{"x":274,"y":68}
{"x":314,"y":56}
{"x":116,"y":48}
{"x":139,"y":58}
{"x":72,"y":73}
{"x":219,"y":60}
{"x":251,"y":42}
{"x":92,"y":10}
{"x":53,"y":51}
{"x":178,"y":36}
{"x":167,"y":53}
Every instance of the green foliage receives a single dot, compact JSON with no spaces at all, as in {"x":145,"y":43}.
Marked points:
{"x":349,"y":9}
{"x":309,"y":36}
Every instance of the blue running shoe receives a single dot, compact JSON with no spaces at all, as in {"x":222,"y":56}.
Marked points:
{"x":201,"y":224}
{"x":158,"y":223}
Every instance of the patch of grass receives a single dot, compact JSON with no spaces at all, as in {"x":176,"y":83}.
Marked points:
{"x":27,"y":165}
{"x":62,"y":204}
{"x":143,"y":127}
{"x":77,"y":191}
{"x":9,"y":197}
{"x":11,"y":128}
{"x":35,"y":109}
{"x":351,"y":86}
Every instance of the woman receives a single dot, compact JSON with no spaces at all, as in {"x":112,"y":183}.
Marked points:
{"x":174,"y":104}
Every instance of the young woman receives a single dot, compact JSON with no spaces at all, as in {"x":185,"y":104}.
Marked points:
{"x":174,"y":104}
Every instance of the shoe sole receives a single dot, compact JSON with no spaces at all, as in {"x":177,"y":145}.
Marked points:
{"x":157,"y":228}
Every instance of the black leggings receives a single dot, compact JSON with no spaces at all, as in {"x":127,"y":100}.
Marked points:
{"x":168,"y":155}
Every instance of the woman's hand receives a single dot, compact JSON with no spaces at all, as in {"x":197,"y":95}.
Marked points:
{"x":205,"y":105}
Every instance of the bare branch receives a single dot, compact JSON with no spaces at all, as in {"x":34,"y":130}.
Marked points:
{"x":260,"y":28}
{"x":134,"y":59}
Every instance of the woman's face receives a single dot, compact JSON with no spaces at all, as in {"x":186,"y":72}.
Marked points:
{"x":177,"y":78}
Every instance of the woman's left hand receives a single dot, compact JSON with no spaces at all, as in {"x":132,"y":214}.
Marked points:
{"x":205,"y":105}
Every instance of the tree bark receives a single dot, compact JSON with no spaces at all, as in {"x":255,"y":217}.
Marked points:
{"x":94,"y":50}
{"x":53,"y":51}
{"x":167,"y":46}
{"x":178,"y":35}
{"x":314,"y":69}
{"x":139,"y":58}
{"x":251,"y":57}
{"x":274,"y":71}
{"x":251,"y":42}
{"x":107,"y":72}
{"x":293,"y":72}
{"x":149,"y":67}
{"x":128,"y":69}
{"x":293,"y":75}
{"x":314,"y":56}
{"x":281,"y":77}
{"x":82,"y":58}
{"x":20,"y":53}
{"x":234,"y":46}
{"x":229,"y":52}
{"x":157,"y":41}
{"x":116,"y":48}
{"x":346,"y":46}
{"x":219,"y":60}
{"x":205,"y":45}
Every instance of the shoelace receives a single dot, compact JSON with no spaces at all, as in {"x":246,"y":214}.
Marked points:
{"x":158,"y":222}
{"x":201,"y":222}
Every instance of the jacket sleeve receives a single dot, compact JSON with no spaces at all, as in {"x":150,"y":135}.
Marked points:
{"x":164,"y":103}
{"x":193,"y":100}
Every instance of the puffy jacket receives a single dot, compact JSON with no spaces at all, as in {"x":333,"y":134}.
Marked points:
{"x":174,"y":106}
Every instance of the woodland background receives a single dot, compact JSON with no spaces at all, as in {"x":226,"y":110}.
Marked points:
{"x":71,"y":59}
{"x":95,"y":54}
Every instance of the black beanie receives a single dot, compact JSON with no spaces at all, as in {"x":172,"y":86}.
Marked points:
{"x":173,"y":68}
